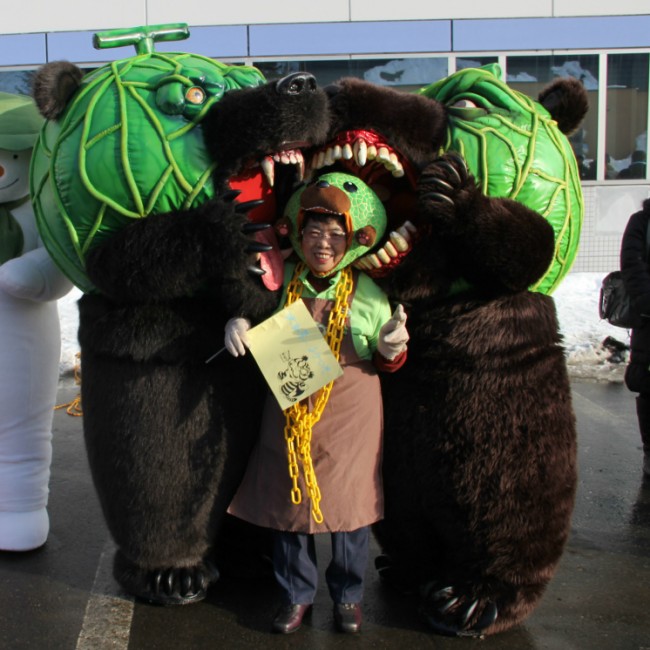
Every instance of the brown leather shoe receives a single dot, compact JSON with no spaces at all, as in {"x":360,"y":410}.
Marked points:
{"x":289,"y":618}
{"x":347,"y":617}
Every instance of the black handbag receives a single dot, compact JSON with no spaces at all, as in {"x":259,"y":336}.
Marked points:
{"x":614,"y":304}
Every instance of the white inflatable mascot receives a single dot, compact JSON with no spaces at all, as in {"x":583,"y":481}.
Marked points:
{"x":30,"y":338}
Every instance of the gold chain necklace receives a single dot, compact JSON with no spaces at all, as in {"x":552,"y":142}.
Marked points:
{"x":299,"y":421}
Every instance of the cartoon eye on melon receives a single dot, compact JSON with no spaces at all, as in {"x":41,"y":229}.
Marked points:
{"x":128,"y":144}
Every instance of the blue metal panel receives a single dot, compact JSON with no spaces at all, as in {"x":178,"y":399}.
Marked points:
{"x":308,"y":39}
{"x":215,"y":42}
{"x":22,"y":49}
{"x":78,"y":48}
{"x":551,"y":33}
{"x":350,"y":38}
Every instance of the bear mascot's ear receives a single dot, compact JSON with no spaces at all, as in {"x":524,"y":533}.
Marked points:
{"x":566,"y":100}
{"x":53,"y":86}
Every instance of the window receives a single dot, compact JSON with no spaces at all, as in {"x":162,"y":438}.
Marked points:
{"x":475,"y":62}
{"x":618,"y":142}
{"x":626,"y":130}
{"x":403,"y":74}
{"x":17,"y":82}
{"x":529,"y":74}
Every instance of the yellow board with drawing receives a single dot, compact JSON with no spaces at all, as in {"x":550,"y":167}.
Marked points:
{"x":293,"y":355}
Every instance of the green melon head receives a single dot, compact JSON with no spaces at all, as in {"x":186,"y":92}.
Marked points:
{"x":515,"y":150}
{"x":129,"y":144}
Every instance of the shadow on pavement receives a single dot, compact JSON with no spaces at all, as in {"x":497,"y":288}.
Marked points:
{"x":63,"y":597}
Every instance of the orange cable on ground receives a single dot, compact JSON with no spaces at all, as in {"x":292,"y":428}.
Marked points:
{"x":74,"y":407}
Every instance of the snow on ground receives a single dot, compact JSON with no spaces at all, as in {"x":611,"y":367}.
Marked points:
{"x":576,"y":300}
{"x":69,"y":317}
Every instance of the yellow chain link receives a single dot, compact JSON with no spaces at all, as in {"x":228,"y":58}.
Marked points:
{"x":299,"y":421}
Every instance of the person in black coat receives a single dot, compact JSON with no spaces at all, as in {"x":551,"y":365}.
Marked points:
{"x":636,"y":168}
{"x":636,"y":276}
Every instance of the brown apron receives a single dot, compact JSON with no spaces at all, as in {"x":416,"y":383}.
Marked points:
{"x":346,"y":449}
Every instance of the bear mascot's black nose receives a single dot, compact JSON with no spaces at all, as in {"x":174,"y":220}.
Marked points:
{"x":296,"y":84}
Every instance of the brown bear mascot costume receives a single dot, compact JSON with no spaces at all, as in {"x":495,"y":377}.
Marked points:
{"x":167,"y":434}
{"x":480,"y":458}
{"x":480,"y":447}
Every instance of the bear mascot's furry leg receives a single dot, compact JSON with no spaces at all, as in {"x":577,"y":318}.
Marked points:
{"x":480,"y":455}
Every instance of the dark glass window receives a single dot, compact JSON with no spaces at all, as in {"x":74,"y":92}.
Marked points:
{"x":475,"y":62}
{"x":626,"y":124}
{"x":529,"y":74}
{"x":17,"y":82}
{"x":403,"y":74}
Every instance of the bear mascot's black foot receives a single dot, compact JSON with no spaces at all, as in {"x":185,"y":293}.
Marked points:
{"x":448,"y":610}
{"x":396,"y":576}
{"x":166,"y":586}
{"x":453,"y":611}
{"x":244,"y":551}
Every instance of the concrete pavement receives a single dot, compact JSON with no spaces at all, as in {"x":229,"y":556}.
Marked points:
{"x":63,"y":597}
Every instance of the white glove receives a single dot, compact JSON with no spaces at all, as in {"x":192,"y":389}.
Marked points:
{"x":393,"y":335}
{"x":236,"y":340}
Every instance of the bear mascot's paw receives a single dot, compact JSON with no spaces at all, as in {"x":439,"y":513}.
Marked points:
{"x":455,"y":611}
{"x":440,"y":182}
{"x":166,"y":586}
{"x":498,"y":245}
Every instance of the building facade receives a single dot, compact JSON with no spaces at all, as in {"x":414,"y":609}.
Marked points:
{"x":407,"y":45}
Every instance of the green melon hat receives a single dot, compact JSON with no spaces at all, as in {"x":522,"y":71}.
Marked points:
{"x":20,"y":122}
{"x":363,"y":211}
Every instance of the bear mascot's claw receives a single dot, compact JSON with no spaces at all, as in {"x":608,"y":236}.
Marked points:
{"x":453,"y":612}
{"x":168,"y":586}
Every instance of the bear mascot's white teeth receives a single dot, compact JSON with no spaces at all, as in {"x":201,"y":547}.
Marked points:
{"x":361,"y":152}
{"x":397,"y":246}
{"x":287,"y":157}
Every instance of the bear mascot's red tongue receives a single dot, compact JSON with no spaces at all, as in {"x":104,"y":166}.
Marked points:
{"x":271,"y":262}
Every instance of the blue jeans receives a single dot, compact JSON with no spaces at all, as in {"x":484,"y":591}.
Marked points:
{"x":296,"y":570}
